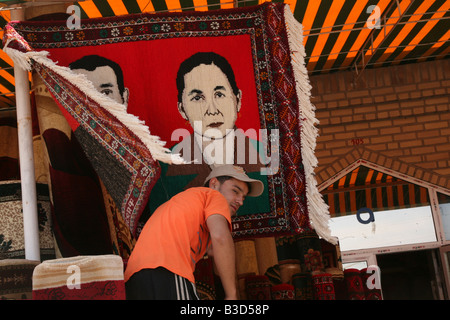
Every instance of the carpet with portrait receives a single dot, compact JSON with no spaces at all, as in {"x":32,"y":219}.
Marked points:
{"x":268,"y":125}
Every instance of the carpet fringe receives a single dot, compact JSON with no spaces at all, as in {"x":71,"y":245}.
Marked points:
{"x":137,"y":126}
{"x":318,"y":210}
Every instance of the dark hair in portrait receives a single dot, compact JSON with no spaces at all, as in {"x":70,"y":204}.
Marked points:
{"x":92,"y":62}
{"x":206,"y":58}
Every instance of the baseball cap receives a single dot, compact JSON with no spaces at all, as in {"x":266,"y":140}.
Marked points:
{"x":256,"y":186}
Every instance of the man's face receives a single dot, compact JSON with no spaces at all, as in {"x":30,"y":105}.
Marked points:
{"x":105,"y":81}
{"x":233,"y":190}
{"x":209,"y":98}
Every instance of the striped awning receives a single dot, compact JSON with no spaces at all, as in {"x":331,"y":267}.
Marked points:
{"x":367,"y":188}
{"x":339,"y":34}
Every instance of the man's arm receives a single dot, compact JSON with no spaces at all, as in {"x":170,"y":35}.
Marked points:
{"x":224,"y":254}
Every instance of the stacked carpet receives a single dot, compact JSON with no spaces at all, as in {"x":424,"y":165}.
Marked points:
{"x":306,"y":248}
{"x":273,"y":273}
{"x":340,"y":289}
{"x":370,"y":293}
{"x":323,"y":286}
{"x":12,"y":245}
{"x":258,"y":287}
{"x":288,"y":268}
{"x":283,"y":291}
{"x":204,"y":279}
{"x":303,"y":286}
{"x":80,"y":278}
{"x":16,"y":278}
{"x":354,"y":283}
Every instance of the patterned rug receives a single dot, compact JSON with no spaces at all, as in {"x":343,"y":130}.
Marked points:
{"x":370,"y":293}
{"x":323,"y":286}
{"x":283,"y":291}
{"x":258,"y":287}
{"x":204,"y":279}
{"x":16,"y":278}
{"x":306,"y":248}
{"x":273,"y":273}
{"x":303,"y":284}
{"x":272,"y":123}
{"x":354,"y":283}
{"x":12,"y":245}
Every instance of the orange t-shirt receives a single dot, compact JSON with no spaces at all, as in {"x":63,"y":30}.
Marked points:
{"x":176,"y":235}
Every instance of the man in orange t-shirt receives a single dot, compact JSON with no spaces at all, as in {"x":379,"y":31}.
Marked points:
{"x":182,"y":230}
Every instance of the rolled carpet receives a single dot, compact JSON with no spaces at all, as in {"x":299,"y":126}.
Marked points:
{"x":284,"y":291}
{"x":80,"y":278}
{"x":16,"y":278}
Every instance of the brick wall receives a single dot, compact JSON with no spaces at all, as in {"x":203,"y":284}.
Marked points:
{"x":397,"y":117}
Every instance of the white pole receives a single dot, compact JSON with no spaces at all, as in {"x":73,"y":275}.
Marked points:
{"x":26,"y":157}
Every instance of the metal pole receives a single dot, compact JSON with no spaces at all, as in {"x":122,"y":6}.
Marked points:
{"x":26,"y":157}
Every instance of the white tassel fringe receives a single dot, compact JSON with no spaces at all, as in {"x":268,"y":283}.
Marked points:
{"x":318,"y":210}
{"x":137,"y":126}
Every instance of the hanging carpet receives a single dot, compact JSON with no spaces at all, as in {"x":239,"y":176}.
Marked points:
{"x":271,"y":130}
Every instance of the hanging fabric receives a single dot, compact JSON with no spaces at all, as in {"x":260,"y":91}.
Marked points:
{"x":263,"y":45}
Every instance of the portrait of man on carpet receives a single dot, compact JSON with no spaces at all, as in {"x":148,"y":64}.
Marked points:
{"x":81,"y":209}
{"x":210,"y":101}
{"x":105,"y":74}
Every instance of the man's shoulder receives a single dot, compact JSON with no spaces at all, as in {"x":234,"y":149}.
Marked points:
{"x":203,"y":192}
